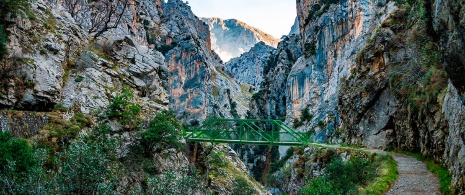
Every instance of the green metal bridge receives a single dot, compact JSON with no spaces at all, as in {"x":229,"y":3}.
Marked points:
{"x":246,"y":131}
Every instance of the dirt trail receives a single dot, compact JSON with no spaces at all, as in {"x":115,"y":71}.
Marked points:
{"x":414,"y":177}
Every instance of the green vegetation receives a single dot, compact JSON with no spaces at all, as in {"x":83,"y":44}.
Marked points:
{"x":58,"y":132}
{"x":215,"y":91}
{"x":421,"y":81}
{"x":164,"y":130}
{"x":12,"y":7}
{"x":310,"y":49}
{"x":3,"y":41}
{"x":387,"y":175}
{"x":60,"y":108}
{"x":8,"y":7}
{"x":304,"y":117}
{"x":79,"y":79}
{"x":221,"y":171}
{"x":445,"y":179}
{"x":343,"y":178}
{"x":125,"y":112}
{"x":271,"y":63}
{"x":241,"y":187}
{"x":15,"y":154}
{"x":165,"y":48}
{"x":276,"y":166}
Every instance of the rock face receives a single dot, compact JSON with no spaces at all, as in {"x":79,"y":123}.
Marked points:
{"x":160,"y":51}
{"x":198,"y":85}
{"x":230,"y":38}
{"x":270,"y":102}
{"x":375,"y":73}
{"x":448,"y":20}
{"x":248,"y":69}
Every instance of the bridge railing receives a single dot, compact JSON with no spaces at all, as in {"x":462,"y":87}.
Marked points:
{"x":246,"y":131}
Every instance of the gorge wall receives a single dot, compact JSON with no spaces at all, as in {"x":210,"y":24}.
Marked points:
{"x":231,"y":37}
{"x":381,"y":74}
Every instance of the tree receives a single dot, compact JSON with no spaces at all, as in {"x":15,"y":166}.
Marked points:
{"x":16,"y":151}
{"x":103,"y":14}
{"x":106,"y":15}
{"x":11,"y":7}
{"x":73,"y":6}
{"x":164,"y":129}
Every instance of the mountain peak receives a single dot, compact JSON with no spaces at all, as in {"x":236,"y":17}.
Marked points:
{"x":225,"y":34}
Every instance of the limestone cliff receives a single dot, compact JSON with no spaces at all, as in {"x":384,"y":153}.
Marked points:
{"x":231,"y":38}
{"x":197,"y":85}
{"x":160,"y":51}
{"x":398,"y":94}
{"x":376,"y":73}
{"x":248,"y":68}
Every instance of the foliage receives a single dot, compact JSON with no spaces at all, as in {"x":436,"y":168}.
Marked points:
{"x":422,"y":80}
{"x":304,"y":117}
{"x":164,"y":130}
{"x":310,"y":49}
{"x":170,"y":184}
{"x":282,"y":161}
{"x":271,"y":63}
{"x":241,"y":187}
{"x":387,"y":176}
{"x":124,"y":111}
{"x":87,"y":167}
{"x":165,"y":48}
{"x":12,"y":7}
{"x":3,"y":41}
{"x":342,"y":178}
{"x":15,"y":152}
{"x":78,"y":79}
{"x":60,"y":108}
{"x":58,"y":132}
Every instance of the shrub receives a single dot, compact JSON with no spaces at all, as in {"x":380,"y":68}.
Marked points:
{"x":3,"y":41}
{"x":241,"y":187}
{"x":164,"y":129}
{"x":79,"y":79}
{"x":124,"y":111}
{"x":306,"y":116}
{"x":58,"y":132}
{"x":11,"y":7}
{"x":87,"y":168}
{"x":187,"y":183}
{"x":16,"y":152}
{"x":342,"y":178}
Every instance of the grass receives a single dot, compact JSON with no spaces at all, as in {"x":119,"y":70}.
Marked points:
{"x":387,"y":176}
{"x":445,"y":179}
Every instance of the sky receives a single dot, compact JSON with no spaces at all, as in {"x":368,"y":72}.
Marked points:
{"x":274,"y":17}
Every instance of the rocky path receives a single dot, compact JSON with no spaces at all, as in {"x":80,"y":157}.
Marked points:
{"x":414,"y":177}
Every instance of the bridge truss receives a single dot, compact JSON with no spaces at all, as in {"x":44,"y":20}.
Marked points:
{"x":247,"y":131}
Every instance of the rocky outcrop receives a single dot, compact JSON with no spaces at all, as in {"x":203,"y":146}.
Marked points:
{"x":160,"y":52}
{"x":448,"y":21}
{"x":198,"y":85}
{"x":39,"y":49}
{"x":231,"y":38}
{"x":398,"y":95}
{"x":248,"y":68}
{"x":270,"y":101}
